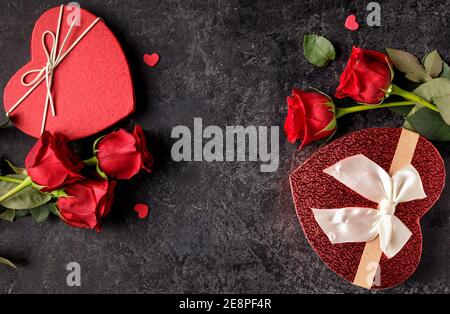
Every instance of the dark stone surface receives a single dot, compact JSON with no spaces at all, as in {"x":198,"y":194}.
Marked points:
{"x":214,"y":227}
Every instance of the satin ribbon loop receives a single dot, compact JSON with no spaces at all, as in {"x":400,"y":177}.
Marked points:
{"x":360,"y":224}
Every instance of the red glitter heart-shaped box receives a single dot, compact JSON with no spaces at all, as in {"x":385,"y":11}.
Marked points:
{"x":312,"y":188}
{"x":91,"y":87}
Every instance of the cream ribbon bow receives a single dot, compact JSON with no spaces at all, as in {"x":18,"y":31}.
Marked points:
{"x":360,"y":224}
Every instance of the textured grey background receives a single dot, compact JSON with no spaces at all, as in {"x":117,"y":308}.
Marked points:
{"x":214,"y":227}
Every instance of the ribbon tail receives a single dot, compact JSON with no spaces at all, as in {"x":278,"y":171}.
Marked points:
{"x":349,"y":224}
{"x":394,"y":234}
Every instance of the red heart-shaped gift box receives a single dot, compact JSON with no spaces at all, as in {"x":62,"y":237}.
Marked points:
{"x":312,"y":188}
{"x":92,"y":87}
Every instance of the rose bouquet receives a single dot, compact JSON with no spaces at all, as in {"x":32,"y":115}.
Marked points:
{"x":55,"y":180}
{"x":360,"y":199}
{"x":368,"y":81}
{"x":62,"y":97}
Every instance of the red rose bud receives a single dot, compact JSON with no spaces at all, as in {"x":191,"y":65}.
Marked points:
{"x":367,"y":77}
{"x":122,"y":154}
{"x":86,"y":203}
{"x":52,"y":164}
{"x":311,"y":116}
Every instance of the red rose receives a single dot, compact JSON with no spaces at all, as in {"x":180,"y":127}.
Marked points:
{"x":367,"y":77}
{"x":311,"y":116}
{"x":86,"y":203}
{"x":52,"y":164}
{"x":122,"y":155}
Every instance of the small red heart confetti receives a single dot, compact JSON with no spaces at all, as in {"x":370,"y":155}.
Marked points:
{"x":351,"y":23}
{"x":142,"y":210}
{"x":151,"y":60}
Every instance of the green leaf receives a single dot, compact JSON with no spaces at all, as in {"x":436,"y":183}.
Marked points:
{"x":435,"y":88}
{"x":408,"y":64}
{"x":8,"y":215}
{"x":54,"y":209}
{"x":445,"y":71}
{"x":17,"y":170}
{"x":318,"y":50}
{"x":7,"y":262}
{"x":443,"y":104}
{"x":41,"y":213}
{"x":4,"y":121}
{"x":433,"y":64}
{"x":430,"y":124}
{"x":418,"y":76}
{"x":401,"y":110}
{"x":22,"y":213}
{"x":28,"y":198}
{"x":408,"y":126}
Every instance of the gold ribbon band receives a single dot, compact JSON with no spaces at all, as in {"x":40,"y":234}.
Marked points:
{"x":370,"y":259}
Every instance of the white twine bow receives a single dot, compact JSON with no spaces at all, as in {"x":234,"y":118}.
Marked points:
{"x":54,"y":58}
{"x":360,"y":224}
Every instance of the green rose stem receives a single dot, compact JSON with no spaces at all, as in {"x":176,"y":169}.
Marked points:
{"x":395,"y":90}
{"x":12,"y":180}
{"x":340,"y":112}
{"x":57,"y":193}
{"x":25,"y":183}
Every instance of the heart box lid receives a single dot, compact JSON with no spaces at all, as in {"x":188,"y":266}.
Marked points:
{"x":91,"y":87}
{"x":312,"y":188}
